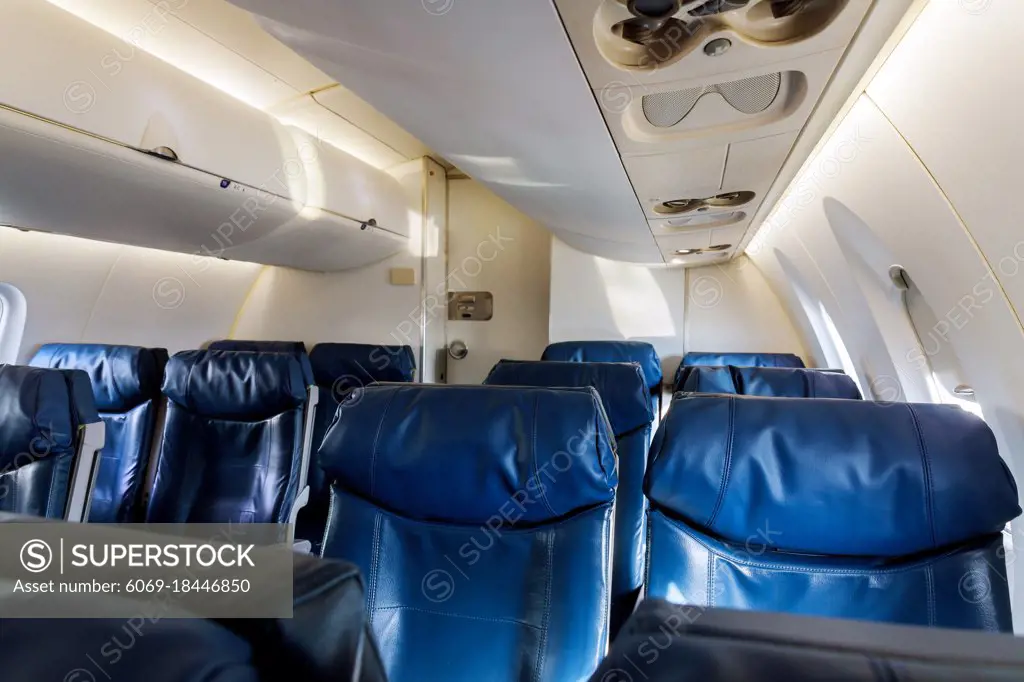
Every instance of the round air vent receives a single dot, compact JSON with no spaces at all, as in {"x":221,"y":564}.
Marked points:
{"x":730,"y":199}
{"x":677,"y":206}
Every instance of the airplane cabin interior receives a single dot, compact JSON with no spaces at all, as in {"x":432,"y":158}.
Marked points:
{"x":519,"y":340}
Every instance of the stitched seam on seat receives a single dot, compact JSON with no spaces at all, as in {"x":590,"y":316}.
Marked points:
{"x":710,"y":600}
{"x":533,"y":445}
{"x":929,"y":578}
{"x":727,"y":465}
{"x":548,"y":570}
{"x":928,"y":486}
{"x":811,"y":569}
{"x":372,"y":597}
{"x":505,"y":621}
{"x":376,"y":440}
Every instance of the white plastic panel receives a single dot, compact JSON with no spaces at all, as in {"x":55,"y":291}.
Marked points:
{"x":952,"y":88}
{"x":624,"y":251}
{"x":622,"y":106}
{"x":509,"y":107}
{"x":697,"y":173}
{"x":345,"y":104}
{"x":81,"y":76}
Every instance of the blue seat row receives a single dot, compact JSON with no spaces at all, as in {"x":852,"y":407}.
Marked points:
{"x":222,"y":405}
{"x":469,"y":508}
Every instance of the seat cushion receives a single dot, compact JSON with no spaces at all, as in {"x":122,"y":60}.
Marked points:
{"x":126,"y":384}
{"x":609,"y":351}
{"x":770,"y":382}
{"x":837,"y":477}
{"x":626,"y":400}
{"x":481,"y":517}
{"x":232,"y":439}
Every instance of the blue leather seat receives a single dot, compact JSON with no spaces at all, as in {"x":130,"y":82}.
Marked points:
{"x":670,"y":643}
{"x":699,"y":359}
{"x":613,"y":351}
{"x":232,"y":446}
{"x":296,"y":348}
{"x":338,"y":368}
{"x":770,"y":382}
{"x":125,"y":384}
{"x":44,"y":418}
{"x":843,"y":508}
{"x":624,"y":395}
{"x":481,"y":517}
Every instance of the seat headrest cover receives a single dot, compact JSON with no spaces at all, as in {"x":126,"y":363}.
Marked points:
{"x":609,"y":351}
{"x":35,"y":409}
{"x":348,"y":365}
{"x":461,"y":454}
{"x":621,"y":386}
{"x":769,"y":382}
{"x":695,"y":359}
{"x":296,"y":348}
{"x":237,"y":385}
{"x":122,"y":377}
{"x":837,"y":477}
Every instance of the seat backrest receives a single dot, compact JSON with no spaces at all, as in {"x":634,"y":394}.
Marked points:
{"x":339,"y":368}
{"x":295,"y":348}
{"x":627,"y":403}
{"x":770,"y":382}
{"x":844,"y":508}
{"x":125,"y":383}
{"x":610,"y":351}
{"x":232,"y":445}
{"x":481,"y":517}
{"x":40,"y":432}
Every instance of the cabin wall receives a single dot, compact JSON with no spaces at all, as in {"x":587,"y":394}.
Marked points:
{"x":359,"y":305}
{"x":731,"y":309}
{"x":597,"y":299}
{"x":922,"y":173}
{"x":495,"y":248}
{"x":78,"y":290}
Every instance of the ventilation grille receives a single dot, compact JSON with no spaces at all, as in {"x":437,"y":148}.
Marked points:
{"x":748,"y":96}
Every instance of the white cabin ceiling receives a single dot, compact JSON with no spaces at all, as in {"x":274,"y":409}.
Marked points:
{"x":586,"y":132}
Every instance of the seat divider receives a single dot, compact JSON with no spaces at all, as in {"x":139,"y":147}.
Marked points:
{"x":83,"y":475}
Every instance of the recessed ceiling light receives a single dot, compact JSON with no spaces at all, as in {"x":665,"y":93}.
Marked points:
{"x":717,"y":47}
{"x":687,"y":252}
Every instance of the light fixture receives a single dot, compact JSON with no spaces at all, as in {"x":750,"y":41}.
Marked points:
{"x":687,"y":252}
{"x":719,"y":247}
{"x":717,"y":47}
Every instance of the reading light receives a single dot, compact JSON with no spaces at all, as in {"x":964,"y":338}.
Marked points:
{"x":687,"y":252}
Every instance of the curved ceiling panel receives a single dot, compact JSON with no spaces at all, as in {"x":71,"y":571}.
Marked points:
{"x":495,"y":88}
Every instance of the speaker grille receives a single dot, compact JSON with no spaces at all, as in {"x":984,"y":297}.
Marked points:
{"x":748,"y":96}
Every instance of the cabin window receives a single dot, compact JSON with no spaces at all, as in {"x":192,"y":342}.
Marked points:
{"x":12,"y":322}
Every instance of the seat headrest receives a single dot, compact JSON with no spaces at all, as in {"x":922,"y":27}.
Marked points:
{"x":462,"y":454}
{"x":609,"y":351}
{"x":296,"y":348}
{"x":771,"y":382}
{"x":838,"y":477}
{"x":238,"y":385}
{"x":35,"y":415}
{"x":696,"y":359}
{"x":348,"y":365}
{"x":122,"y":377}
{"x":621,"y":386}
